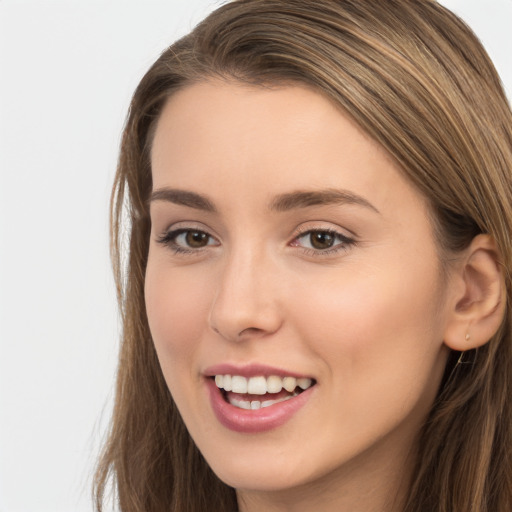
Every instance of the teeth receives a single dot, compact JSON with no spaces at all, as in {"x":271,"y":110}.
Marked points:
{"x":289,"y":383}
{"x":274,"y":384}
{"x":238,"y":384}
{"x":260,"y":385}
{"x":227,"y":383}
{"x":241,"y":404}
{"x":257,"y":386}
{"x":302,"y":383}
{"x":256,"y":404}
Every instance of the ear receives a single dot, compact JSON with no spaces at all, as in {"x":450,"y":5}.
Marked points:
{"x":478,"y":303}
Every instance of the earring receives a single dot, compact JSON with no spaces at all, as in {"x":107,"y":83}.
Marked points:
{"x":461,"y":356}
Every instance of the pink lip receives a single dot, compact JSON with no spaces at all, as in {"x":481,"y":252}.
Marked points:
{"x":254,"y":421}
{"x":251,"y":370}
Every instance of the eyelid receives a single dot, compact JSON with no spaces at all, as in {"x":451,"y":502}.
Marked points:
{"x":307,"y":227}
{"x":188,"y":226}
{"x":345,"y":241}
{"x":168,"y":237}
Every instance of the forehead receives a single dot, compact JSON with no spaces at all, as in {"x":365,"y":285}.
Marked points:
{"x":219,"y":134}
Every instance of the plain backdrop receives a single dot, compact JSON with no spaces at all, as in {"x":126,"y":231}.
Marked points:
{"x":67,"y":71}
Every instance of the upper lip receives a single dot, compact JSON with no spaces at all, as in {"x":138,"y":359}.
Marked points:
{"x":251,"y":370}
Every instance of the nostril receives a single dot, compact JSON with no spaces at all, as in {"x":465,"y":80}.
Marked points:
{"x":249,"y":331}
{"x":239,"y":317}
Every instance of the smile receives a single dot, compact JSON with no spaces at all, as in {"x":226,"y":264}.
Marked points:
{"x":256,"y":399}
{"x":278,"y":389}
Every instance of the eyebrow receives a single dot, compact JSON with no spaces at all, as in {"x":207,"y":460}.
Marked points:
{"x":304,"y":199}
{"x":281,"y":203}
{"x":184,"y":198}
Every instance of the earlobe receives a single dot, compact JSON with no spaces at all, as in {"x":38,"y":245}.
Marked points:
{"x":478,"y":309}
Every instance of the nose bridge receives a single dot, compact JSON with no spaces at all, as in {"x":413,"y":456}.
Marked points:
{"x":245,"y":302}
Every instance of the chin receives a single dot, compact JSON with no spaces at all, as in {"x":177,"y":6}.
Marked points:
{"x":262,"y":479}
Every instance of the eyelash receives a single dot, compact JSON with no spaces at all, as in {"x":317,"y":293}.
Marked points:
{"x":344,"y":242}
{"x":341,"y":242}
{"x":168,"y":239}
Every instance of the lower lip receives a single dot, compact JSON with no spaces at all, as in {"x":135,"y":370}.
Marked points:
{"x":254,"y":421}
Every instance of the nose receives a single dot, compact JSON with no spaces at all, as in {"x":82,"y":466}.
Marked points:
{"x":246,"y":304}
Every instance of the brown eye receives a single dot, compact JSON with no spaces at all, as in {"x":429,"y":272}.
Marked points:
{"x":321,"y":240}
{"x":187,"y":240}
{"x":196,"y":239}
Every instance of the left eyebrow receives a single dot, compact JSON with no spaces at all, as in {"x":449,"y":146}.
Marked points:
{"x":304,"y":199}
{"x":184,"y":198}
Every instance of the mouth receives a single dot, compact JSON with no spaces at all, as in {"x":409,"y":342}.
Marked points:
{"x":260,"y":392}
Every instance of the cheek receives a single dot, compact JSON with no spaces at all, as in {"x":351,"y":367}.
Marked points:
{"x":375,"y":327}
{"x":177,"y":309}
{"x":380,"y":343}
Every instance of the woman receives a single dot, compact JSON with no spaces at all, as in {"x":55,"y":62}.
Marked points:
{"x":317,"y":300}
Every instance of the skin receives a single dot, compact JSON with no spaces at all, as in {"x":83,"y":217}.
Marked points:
{"x":365,"y":318}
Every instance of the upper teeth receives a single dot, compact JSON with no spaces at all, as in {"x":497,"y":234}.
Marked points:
{"x":260,"y":385}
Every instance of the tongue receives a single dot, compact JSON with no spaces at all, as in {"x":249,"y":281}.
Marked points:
{"x":267,"y":396}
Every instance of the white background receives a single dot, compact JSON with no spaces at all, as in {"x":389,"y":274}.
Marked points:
{"x":67,"y":71}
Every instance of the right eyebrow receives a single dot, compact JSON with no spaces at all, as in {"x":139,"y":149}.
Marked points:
{"x":183,"y":198}
{"x":306,"y":198}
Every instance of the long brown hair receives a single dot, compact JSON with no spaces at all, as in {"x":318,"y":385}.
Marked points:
{"x":417,"y":80}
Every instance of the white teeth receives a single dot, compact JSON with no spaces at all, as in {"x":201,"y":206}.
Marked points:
{"x":257,"y":386}
{"x":274,"y":384}
{"x":227,"y":383}
{"x":303,"y":383}
{"x":289,"y":383}
{"x":256,"y":404}
{"x":260,"y":385}
{"x":238,"y":384}
{"x":241,"y":404}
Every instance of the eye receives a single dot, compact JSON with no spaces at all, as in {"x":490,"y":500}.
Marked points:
{"x":193,"y":239}
{"x":322,"y":240}
{"x":187,"y":240}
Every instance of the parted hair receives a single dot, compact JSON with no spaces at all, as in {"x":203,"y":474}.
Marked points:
{"x":415,"y":78}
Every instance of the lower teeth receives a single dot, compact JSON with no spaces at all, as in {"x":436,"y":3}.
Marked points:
{"x":257,"y":404}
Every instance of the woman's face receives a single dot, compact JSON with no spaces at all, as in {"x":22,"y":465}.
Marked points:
{"x":286,"y":243}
